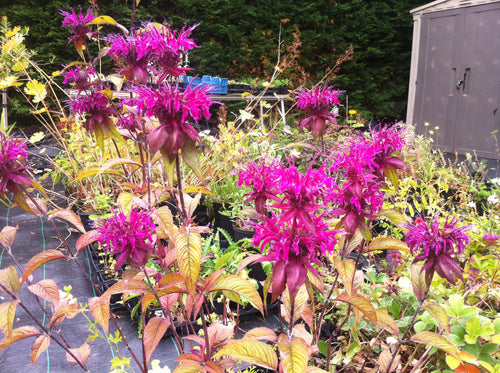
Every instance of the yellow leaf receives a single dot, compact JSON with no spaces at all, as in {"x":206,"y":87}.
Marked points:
{"x":294,"y":354}
{"x":188,"y":245}
{"x":239,"y":286}
{"x":153,"y":333}
{"x":41,"y":344}
{"x":102,"y":20}
{"x":99,"y":306}
{"x":7,"y":313}
{"x":436,"y":340}
{"x":253,"y":352}
{"x":439,"y":314}
{"x":386,"y":243}
{"x":37,"y":89}
{"x":387,"y":322}
{"x":361,"y":303}
{"x":9,"y":81}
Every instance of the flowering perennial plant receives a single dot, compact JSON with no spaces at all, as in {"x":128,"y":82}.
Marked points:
{"x":132,"y":237}
{"x":295,"y":234}
{"x":176,"y":110}
{"x":438,"y":245}
{"x":12,"y":171}
{"x":317,"y":103}
{"x":79,"y":28}
{"x":155,"y":48}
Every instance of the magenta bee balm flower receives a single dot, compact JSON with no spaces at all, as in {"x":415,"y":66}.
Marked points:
{"x":317,"y":103}
{"x":78,"y":27}
{"x":12,"y":172}
{"x":176,"y":111}
{"x":437,"y":245}
{"x":131,"y":238}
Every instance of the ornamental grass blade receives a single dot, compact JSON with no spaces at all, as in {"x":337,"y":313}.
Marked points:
{"x":188,"y":245}
{"x":294,"y":354}
{"x":153,"y":333}
{"x":39,"y":260}
{"x":436,"y":340}
{"x":41,"y":344}
{"x":253,"y":352}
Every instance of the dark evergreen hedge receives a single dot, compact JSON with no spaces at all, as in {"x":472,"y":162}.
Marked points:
{"x":239,"y":39}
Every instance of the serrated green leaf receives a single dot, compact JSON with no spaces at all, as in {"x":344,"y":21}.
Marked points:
{"x":456,"y":303}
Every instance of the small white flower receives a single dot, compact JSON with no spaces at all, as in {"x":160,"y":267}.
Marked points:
{"x":472,"y":204}
{"x":496,"y":180}
{"x":493,"y":199}
{"x":391,"y":341}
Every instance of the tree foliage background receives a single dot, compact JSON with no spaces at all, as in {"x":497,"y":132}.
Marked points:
{"x":239,"y":39}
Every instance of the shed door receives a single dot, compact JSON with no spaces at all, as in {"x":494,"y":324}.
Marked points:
{"x":458,"y":81}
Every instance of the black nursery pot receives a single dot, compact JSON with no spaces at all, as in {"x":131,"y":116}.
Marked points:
{"x":239,"y":233}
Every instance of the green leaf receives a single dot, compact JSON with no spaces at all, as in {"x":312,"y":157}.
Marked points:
{"x":439,"y":315}
{"x":456,"y":303}
{"x":190,"y":156}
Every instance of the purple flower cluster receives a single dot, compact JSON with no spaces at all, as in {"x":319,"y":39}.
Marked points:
{"x":317,"y":103}
{"x":80,"y":81}
{"x":129,"y":237}
{"x":96,"y":107}
{"x":78,"y":27}
{"x":175,"y":110}
{"x":155,"y":48}
{"x":362,"y":163}
{"x":292,"y":229}
{"x":12,"y":171}
{"x":437,"y":245}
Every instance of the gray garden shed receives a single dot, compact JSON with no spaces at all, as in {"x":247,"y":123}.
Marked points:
{"x":455,"y":74}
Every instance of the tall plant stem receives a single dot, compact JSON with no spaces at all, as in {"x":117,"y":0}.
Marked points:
{"x":44,"y":329}
{"x":179,"y":187}
{"x":84,"y":272}
{"x":410,"y":326}
{"x":125,"y":171}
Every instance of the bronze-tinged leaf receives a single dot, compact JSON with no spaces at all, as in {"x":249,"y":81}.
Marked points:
{"x":153,"y":333}
{"x":439,"y":314}
{"x":261,"y":334}
{"x":418,"y":281}
{"x":64,"y":309}
{"x":248,"y":260}
{"x":47,"y":290}
{"x":9,"y":279}
{"x":299,"y":305}
{"x":39,"y":260}
{"x":7,"y":313}
{"x":81,"y":353}
{"x":316,"y":282}
{"x":436,"y":340}
{"x":86,"y":239}
{"x":361,"y":303}
{"x":240,"y":287}
{"x":384,"y":360}
{"x":18,"y":334}
{"x":70,"y":217}
{"x":190,"y":157}
{"x":387,"y":322}
{"x":299,"y":330}
{"x":134,"y":285}
{"x":387,"y":243}
{"x":250,"y":351}
{"x":149,"y":297}
{"x":41,"y":344}
{"x":346,"y":270}
{"x":40,"y":209}
{"x":188,"y":245}
{"x":294,"y":354}
{"x":99,"y":306}
{"x":7,"y":236}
